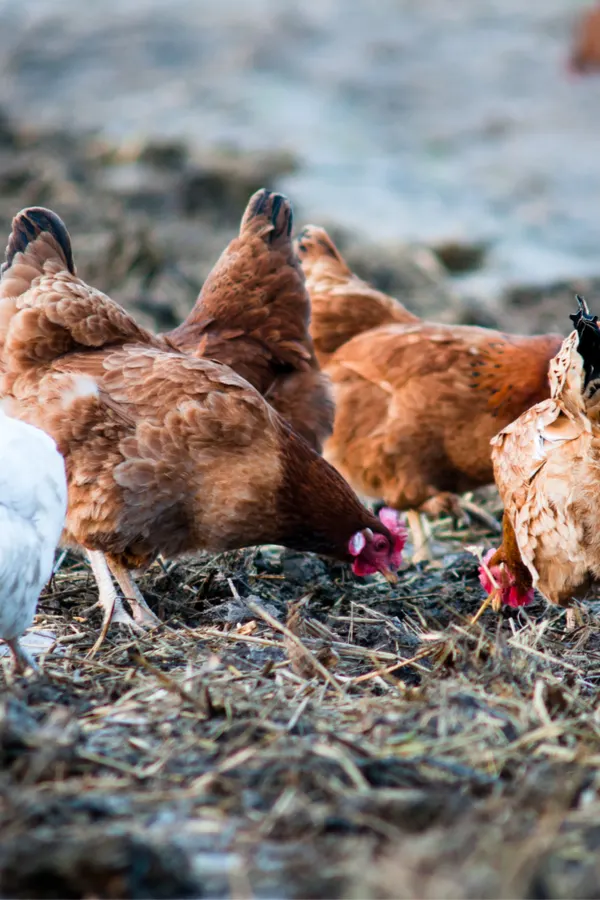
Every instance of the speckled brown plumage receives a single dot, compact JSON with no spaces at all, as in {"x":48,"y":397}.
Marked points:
{"x":547,"y":468}
{"x":416,"y":403}
{"x":253,"y":315}
{"x":165,"y":452}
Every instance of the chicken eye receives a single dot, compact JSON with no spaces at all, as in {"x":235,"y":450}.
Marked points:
{"x":380,"y":543}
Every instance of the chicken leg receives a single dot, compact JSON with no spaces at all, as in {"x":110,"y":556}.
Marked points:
{"x":573,"y":618}
{"x":21,"y":656}
{"x":421,"y":544}
{"x":109,"y":600}
{"x":142,"y":613}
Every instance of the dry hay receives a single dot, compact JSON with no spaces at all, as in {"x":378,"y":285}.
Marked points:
{"x":375,"y":745}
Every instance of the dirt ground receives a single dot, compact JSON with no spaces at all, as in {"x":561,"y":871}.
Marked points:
{"x":288,"y":731}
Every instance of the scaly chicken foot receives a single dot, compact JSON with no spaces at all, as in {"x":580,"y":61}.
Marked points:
{"x":573,"y":618}
{"x":21,"y":656}
{"x":442,"y":503}
{"x":109,"y":600}
{"x":142,"y":613}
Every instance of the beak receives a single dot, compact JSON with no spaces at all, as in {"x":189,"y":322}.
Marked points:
{"x":390,"y":576}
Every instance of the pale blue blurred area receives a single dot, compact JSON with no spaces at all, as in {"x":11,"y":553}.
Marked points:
{"x":413,"y":119}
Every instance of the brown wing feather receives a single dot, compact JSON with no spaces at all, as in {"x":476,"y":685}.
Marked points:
{"x":417,"y":406}
{"x":150,"y":439}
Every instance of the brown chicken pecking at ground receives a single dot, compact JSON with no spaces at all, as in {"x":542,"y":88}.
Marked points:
{"x":547,"y":468}
{"x":585,"y":52}
{"x":165,"y":453}
{"x":253,"y":315}
{"x":416,"y":403}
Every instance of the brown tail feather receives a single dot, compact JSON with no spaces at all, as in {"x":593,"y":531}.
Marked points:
{"x":343,"y":306}
{"x":38,"y":325}
{"x":33,"y":223}
{"x":314,"y":246}
{"x":38,"y":242}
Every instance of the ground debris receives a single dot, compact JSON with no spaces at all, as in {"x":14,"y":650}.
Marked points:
{"x":303,"y":660}
{"x":215,"y":758}
{"x":100,"y":865}
{"x":289,"y":731}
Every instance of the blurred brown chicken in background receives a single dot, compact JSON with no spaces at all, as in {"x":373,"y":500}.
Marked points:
{"x":585,"y":53}
{"x":416,"y":403}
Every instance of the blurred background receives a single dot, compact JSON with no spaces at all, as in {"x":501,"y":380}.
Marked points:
{"x":445,"y":144}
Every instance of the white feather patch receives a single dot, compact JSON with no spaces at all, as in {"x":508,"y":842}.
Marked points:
{"x":79,"y":386}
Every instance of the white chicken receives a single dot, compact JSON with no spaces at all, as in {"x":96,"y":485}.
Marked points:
{"x":33,"y":505}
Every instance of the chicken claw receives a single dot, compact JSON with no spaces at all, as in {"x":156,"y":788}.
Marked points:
{"x":438,"y":505}
{"x":443,"y":503}
{"x":21,"y":656}
{"x":142,"y":613}
{"x":109,"y":600}
{"x":573,"y":618}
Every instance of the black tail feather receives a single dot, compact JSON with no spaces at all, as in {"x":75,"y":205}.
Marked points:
{"x":275,"y":207}
{"x":589,"y":340}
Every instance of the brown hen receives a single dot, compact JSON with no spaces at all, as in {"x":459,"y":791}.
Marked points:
{"x":547,"y":467}
{"x":253,"y":315}
{"x":585,"y":53}
{"x":416,"y":403}
{"x":165,"y":453}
